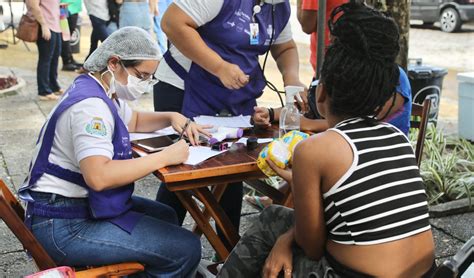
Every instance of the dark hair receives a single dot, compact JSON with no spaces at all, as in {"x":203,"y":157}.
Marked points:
{"x":131,"y":63}
{"x":359,"y":70}
{"x":127,"y":64}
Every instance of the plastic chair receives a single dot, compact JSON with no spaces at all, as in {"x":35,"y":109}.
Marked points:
{"x":457,"y":265}
{"x":419,"y":120}
{"x":12,"y":213}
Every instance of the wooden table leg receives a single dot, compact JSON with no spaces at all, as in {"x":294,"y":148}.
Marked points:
{"x":217,"y":191}
{"x":216,"y":211}
{"x":191,"y":206}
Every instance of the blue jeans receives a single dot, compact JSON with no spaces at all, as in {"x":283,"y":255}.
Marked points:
{"x":135,"y":14}
{"x":160,"y":35}
{"x":157,"y":241}
{"x":99,"y":32}
{"x":47,"y":68}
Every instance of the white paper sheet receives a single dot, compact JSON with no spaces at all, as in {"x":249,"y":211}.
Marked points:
{"x":198,"y":154}
{"x":139,"y":136}
{"x":237,"y":121}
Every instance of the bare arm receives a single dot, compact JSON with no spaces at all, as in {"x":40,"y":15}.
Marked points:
{"x":102,"y":173}
{"x":151,"y":121}
{"x":286,"y":57}
{"x":307,"y":19}
{"x":310,"y":228}
{"x":317,"y":125}
{"x":181,"y":31}
{"x":34,"y":7}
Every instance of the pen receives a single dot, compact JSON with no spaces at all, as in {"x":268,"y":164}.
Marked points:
{"x":184,"y":129}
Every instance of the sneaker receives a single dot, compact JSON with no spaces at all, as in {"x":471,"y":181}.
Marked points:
{"x":49,"y":97}
{"x":78,"y":65}
{"x":208,"y":269}
{"x":70,"y":67}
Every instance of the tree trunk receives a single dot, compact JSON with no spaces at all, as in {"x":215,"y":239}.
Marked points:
{"x":400,"y":11}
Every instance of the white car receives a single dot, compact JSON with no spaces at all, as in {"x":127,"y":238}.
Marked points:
{"x":17,"y":7}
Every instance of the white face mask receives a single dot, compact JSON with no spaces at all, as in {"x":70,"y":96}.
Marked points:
{"x":134,"y":89}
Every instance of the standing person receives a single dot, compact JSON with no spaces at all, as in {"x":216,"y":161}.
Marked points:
{"x":74,"y":8}
{"x":160,"y":35}
{"x":79,"y":189}
{"x":46,"y":12}
{"x":137,"y":13}
{"x":99,"y":15}
{"x":114,"y":12}
{"x":361,"y":208}
{"x":307,"y":14}
{"x":212,"y":66}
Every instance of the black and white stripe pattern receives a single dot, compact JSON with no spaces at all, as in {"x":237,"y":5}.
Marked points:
{"x":381,"y":197}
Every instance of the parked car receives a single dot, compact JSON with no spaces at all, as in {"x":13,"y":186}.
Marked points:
{"x":18,"y":8}
{"x":450,"y":13}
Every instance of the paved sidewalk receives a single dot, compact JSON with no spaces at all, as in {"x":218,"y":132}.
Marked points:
{"x":21,"y":117}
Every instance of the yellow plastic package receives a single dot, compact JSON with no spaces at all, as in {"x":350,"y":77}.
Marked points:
{"x":291,"y":139}
{"x":280,"y":152}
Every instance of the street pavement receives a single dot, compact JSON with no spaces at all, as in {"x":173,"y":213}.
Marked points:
{"x":22,"y":115}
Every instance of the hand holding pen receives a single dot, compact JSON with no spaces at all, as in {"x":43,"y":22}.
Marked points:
{"x":186,"y":127}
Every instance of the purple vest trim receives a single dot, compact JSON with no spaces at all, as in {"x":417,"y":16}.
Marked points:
{"x":229,"y":35}
{"x":113,"y":205}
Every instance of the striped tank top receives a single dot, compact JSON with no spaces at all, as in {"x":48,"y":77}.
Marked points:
{"x":381,"y":197}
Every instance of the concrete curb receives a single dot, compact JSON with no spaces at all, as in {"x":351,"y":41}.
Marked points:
{"x":450,"y":208}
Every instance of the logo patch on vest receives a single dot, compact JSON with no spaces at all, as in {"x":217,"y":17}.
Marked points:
{"x":96,"y":127}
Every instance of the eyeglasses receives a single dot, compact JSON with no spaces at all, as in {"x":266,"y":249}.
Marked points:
{"x":148,"y":78}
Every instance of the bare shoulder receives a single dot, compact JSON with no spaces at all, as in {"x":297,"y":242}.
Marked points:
{"x":327,"y":153}
{"x":325,"y":144}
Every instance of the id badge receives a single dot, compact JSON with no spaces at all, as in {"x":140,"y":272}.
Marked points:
{"x":254,"y":34}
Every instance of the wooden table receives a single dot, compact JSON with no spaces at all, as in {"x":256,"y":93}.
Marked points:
{"x":187,"y":181}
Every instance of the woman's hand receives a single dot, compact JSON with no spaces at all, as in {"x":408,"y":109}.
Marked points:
{"x":280,"y":258}
{"x":192,"y":131}
{"x":232,"y":76}
{"x":261,"y":117}
{"x":302,"y":100}
{"x":286,"y":174}
{"x":46,"y":33}
{"x":176,"y":153}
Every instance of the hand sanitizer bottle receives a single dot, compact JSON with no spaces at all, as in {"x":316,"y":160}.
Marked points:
{"x":289,"y":115}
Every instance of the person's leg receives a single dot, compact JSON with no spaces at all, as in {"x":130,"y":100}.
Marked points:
{"x":249,"y":255}
{"x":94,"y":35}
{"x":66,"y":52}
{"x":231,"y":203}
{"x":53,"y":70}
{"x":167,"y":97}
{"x":154,"y":209}
{"x":165,"y":249}
{"x":99,"y":32}
{"x":44,"y":64}
{"x":160,"y":35}
{"x":170,"y":199}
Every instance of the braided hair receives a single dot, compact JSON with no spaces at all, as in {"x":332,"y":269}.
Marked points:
{"x":359,"y":70}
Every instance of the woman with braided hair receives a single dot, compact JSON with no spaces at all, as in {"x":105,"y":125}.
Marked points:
{"x":360,"y":204}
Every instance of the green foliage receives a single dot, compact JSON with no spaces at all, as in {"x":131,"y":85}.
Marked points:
{"x":447,"y":167}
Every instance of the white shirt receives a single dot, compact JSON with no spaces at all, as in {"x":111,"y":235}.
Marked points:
{"x":85,"y":129}
{"x":98,"y":8}
{"x":202,"y":12}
